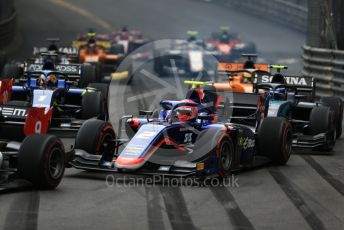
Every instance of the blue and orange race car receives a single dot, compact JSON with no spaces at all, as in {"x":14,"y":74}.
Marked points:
{"x":184,"y":139}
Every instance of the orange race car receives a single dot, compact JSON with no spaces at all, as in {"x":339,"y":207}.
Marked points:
{"x":99,"y":51}
{"x":229,"y":45}
{"x":239,"y":77}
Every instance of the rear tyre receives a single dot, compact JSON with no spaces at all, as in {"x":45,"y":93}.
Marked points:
{"x":275,"y":139}
{"x":99,"y":71}
{"x":103,"y":88}
{"x":96,"y":137}
{"x":117,"y":49}
{"x":225,"y":152}
{"x":11,"y":71}
{"x":336,"y":104}
{"x":88,"y":75}
{"x":41,"y":160}
{"x":321,"y":120}
{"x":92,"y":105}
{"x":159,"y":63}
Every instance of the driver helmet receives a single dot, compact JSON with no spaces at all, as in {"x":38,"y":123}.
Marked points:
{"x":41,"y":80}
{"x":192,"y":36}
{"x":52,"y":80}
{"x":280,"y":94}
{"x":187,"y":113}
{"x":124,"y":33}
{"x":224,"y":37}
{"x":91,"y":42}
{"x":124,"y":29}
{"x":247,"y":77}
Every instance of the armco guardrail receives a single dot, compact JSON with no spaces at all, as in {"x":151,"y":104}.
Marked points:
{"x":292,"y":13}
{"x":327,"y":67}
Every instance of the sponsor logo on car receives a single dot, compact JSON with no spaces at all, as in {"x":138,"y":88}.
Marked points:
{"x":14,"y":112}
{"x":60,"y":68}
{"x":246,"y":142}
{"x":291,"y":80}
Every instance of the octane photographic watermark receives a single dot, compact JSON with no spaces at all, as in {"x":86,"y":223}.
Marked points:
{"x":111,"y":181}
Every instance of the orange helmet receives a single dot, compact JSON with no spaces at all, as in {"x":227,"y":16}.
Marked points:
{"x":52,"y":80}
{"x":187,"y":113}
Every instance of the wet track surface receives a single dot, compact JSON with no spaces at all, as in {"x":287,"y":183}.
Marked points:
{"x":305,"y":194}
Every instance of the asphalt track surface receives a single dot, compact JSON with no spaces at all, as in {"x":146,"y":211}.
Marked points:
{"x":305,"y":194}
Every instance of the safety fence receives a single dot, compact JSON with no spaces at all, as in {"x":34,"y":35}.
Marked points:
{"x":327,"y":67}
{"x":292,"y":13}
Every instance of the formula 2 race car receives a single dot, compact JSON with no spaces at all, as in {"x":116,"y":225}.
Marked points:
{"x":188,"y":57}
{"x":185,"y":139}
{"x":229,"y":45}
{"x":315,"y":125}
{"x":65,"y":107}
{"x":32,"y":155}
{"x":129,"y":39}
{"x":238,"y":77}
{"x":99,"y":51}
{"x":79,"y":75}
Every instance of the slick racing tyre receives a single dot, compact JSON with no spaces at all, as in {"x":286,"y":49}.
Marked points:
{"x":225,"y":153}
{"x":275,"y":139}
{"x":321,"y":120}
{"x":41,"y":160}
{"x":92,"y":105}
{"x":99,"y":71}
{"x":117,"y":49}
{"x":103,"y":88}
{"x":96,"y":137}
{"x":159,"y":65}
{"x":88,"y":75}
{"x":336,"y":104}
{"x":11,"y":71}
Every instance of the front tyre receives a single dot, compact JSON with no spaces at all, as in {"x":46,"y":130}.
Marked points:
{"x":275,"y":139}
{"x":321,"y":120}
{"x":336,"y":104}
{"x":96,"y":137}
{"x":41,"y":160}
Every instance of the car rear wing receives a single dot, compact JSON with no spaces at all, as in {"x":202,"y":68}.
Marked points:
{"x":301,"y":83}
{"x":233,"y":66}
{"x":68,"y":51}
{"x":81,"y":43}
{"x":69,"y":69}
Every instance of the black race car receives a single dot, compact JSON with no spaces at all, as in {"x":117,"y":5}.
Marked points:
{"x":315,"y":124}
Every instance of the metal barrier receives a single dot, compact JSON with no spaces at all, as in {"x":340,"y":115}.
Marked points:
{"x":290,"y":13}
{"x":327,"y":67}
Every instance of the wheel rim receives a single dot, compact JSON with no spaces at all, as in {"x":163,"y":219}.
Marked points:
{"x":56,"y":163}
{"x":288,"y":144}
{"x":106,"y":145}
{"x":226,"y":156}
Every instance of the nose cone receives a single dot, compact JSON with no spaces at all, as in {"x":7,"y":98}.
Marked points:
{"x":129,"y":162}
